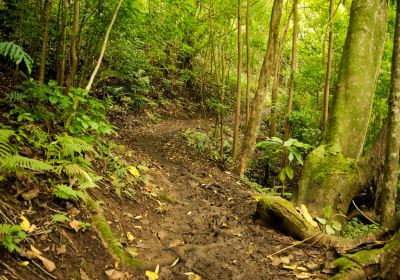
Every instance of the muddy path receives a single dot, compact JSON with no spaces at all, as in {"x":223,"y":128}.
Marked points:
{"x":208,"y":221}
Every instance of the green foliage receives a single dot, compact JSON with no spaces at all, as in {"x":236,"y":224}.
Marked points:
{"x":198,"y":140}
{"x":355,"y":228}
{"x":16,"y":54}
{"x":11,"y":236}
{"x":67,"y":192}
{"x":329,"y":222}
{"x":59,"y":218}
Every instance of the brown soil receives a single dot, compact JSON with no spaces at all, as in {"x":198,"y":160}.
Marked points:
{"x":190,"y":210}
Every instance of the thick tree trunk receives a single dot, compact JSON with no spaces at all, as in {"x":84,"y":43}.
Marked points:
{"x":331,"y":175}
{"x":238,"y":84}
{"x":259,"y":97}
{"x":387,"y":192}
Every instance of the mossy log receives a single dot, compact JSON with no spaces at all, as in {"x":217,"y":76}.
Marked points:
{"x":280,"y":214}
{"x":104,"y":231}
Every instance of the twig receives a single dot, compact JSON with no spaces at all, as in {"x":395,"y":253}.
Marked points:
{"x":363,"y":214}
{"x":38,"y":266}
{"x":13,"y":272}
{"x":294,"y":245}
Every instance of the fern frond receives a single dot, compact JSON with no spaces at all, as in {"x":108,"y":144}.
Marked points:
{"x":75,"y":171}
{"x":71,"y":145}
{"x":16,"y":54}
{"x":6,"y":148}
{"x":12,"y":163}
{"x":66,"y":192}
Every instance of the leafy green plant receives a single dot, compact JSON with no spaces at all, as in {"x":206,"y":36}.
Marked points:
{"x":329,"y":222}
{"x":199,"y":140}
{"x":11,"y":236}
{"x":356,"y":228}
{"x":59,"y":218}
{"x":16,"y":54}
{"x":293,"y":148}
{"x":67,"y":192}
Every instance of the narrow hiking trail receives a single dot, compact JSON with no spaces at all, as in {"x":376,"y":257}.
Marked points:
{"x":207,"y":221}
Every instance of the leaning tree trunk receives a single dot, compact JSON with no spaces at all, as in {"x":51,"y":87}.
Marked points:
{"x":259,"y":97}
{"x":331,"y":175}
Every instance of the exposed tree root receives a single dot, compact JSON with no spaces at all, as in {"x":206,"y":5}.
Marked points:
{"x":281,"y":214}
{"x":104,"y":231}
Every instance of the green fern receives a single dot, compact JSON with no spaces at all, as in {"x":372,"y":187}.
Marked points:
{"x":12,"y":163}
{"x":66,"y":145}
{"x":67,"y":192}
{"x":5,"y":146}
{"x":16,"y":54}
{"x":77,"y":172}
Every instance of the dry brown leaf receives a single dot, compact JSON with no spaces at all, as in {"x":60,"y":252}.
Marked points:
{"x":114,"y":274}
{"x":307,"y":216}
{"x":27,"y":254}
{"x":76,"y":225}
{"x":35,"y":251}
{"x":84,"y":275}
{"x":31,"y":194}
{"x":61,"y":250}
{"x":302,"y":275}
{"x":285,"y":260}
{"x":48,"y":264}
{"x":176,"y":243}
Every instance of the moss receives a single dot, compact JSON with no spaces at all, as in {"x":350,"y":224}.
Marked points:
{"x":109,"y":241}
{"x":166,"y":197}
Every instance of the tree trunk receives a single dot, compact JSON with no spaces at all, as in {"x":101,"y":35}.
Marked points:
{"x":61,"y":66}
{"x":238,"y":84}
{"x":331,"y":175}
{"x":74,"y":39}
{"x":293,"y":65}
{"x":386,"y":193}
{"x":103,"y":48}
{"x":248,"y":58}
{"x":43,"y":55}
{"x":277,"y":70}
{"x":328,"y":65}
{"x":259,"y":97}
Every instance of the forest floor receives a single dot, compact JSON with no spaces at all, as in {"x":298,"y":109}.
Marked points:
{"x":188,"y":216}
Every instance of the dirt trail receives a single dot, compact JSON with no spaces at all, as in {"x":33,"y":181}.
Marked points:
{"x":209,"y":225}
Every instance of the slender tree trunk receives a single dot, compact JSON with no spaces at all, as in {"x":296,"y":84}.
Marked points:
{"x":293,"y":65}
{"x":259,"y":97}
{"x":73,"y":53}
{"x":331,"y":174}
{"x":386,"y":194}
{"x":43,"y":56}
{"x":61,"y":66}
{"x":222,"y":100}
{"x":248,"y":61}
{"x":328,"y":64}
{"x":238,"y":83}
{"x":103,"y":48}
{"x":277,"y":70}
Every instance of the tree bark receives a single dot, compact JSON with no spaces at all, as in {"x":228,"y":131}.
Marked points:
{"x":248,"y":60}
{"x":238,"y":84}
{"x":103,"y":48}
{"x":277,"y":70}
{"x":62,"y":53}
{"x":331,"y":174}
{"x":259,"y":97}
{"x":328,"y":65}
{"x":386,"y":193}
{"x":43,"y":55}
{"x":293,"y":65}
{"x":73,"y":53}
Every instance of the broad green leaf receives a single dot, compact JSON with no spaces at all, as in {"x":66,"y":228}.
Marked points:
{"x":133,"y":170}
{"x":282,"y":175}
{"x":322,"y":221}
{"x":289,"y":142}
{"x":327,"y":211}
{"x":289,"y":172}
{"x":336,"y":226}
{"x":329,"y":230}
